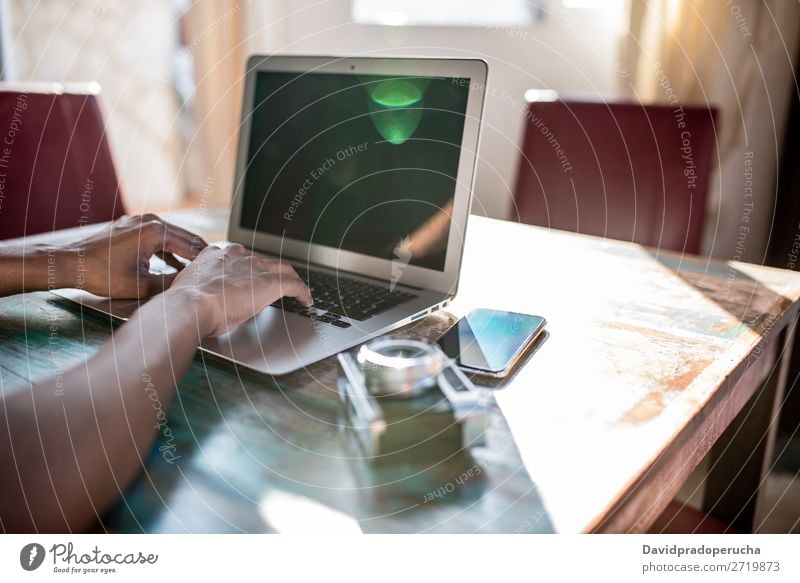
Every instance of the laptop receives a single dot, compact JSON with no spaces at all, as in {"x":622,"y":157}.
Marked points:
{"x":359,"y":172}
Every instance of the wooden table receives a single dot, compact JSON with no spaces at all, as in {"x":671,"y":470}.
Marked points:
{"x":651,"y":362}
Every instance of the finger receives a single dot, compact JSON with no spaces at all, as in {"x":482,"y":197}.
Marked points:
{"x":170,"y":260}
{"x":177,"y":244}
{"x":154,"y":218}
{"x":197,"y":241}
{"x":294,"y":287}
{"x":193,"y":243}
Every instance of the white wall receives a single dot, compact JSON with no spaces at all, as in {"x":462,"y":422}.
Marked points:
{"x":567,"y":50}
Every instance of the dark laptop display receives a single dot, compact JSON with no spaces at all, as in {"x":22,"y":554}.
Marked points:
{"x":356,"y":162}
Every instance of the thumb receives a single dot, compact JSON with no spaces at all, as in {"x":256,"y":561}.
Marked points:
{"x":152,"y":284}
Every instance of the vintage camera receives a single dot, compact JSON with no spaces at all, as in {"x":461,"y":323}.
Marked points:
{"x":406,"y":399}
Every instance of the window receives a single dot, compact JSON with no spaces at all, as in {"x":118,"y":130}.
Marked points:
{"x":445,"y":12}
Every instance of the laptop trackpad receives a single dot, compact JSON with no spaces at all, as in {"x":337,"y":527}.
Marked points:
{"x":273,"y":341}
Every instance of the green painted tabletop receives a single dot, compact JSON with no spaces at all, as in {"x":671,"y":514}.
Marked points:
{"x":255,"y":455}
{"x":646,"y":359}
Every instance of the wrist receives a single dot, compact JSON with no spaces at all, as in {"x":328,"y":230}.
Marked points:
{"x":198,"y":305}
{"x":65,"y":268}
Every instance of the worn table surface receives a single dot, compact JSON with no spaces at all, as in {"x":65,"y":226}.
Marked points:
{"x":647,"y":358}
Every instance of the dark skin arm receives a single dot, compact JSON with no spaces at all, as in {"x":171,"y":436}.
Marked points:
{"x":112,"y":263}
{"x":67,"y":453}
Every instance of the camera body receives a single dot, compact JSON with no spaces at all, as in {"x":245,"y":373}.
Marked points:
{"x":406,"y":399}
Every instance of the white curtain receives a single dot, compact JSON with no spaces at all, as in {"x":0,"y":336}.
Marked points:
{"x":738,"y":55}
{"x":221,"y":35}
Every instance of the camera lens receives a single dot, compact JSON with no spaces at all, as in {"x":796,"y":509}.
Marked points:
{"x":400,"y":368}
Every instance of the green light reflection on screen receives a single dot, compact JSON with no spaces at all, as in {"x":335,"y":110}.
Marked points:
{"x":396,"y":93}
{"x":390,"y":106}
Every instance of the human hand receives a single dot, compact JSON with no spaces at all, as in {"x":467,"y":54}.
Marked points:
{"x":116,"y":261}
{"x":231,"y":285}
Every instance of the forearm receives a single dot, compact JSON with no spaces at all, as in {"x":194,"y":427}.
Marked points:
{"x":36,"y":268}
{"x":76,"y":446}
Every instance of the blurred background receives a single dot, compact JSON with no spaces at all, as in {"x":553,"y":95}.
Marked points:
{"x":170,"y":73}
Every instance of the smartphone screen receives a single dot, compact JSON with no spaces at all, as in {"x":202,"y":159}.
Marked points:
{"x":490,"y":341}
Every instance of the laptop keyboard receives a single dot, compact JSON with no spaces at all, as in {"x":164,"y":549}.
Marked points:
{"x":339,"y":297}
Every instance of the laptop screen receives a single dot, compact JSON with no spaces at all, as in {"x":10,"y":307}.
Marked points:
{"x":362,"y":163}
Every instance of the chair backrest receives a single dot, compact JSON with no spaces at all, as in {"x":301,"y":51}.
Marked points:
{"x":56,"y":167}
{"x":622,"y":170}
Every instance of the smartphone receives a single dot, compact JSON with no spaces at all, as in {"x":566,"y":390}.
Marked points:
{"x":491,"y":342}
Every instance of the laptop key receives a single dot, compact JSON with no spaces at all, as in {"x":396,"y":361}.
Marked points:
{"x":360,"y":316}
{"x":340,"y":297}
{"x":289,"y":305}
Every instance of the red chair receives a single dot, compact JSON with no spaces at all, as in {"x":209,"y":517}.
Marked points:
{"x":56,"y":168}
{"x":622,"y":170}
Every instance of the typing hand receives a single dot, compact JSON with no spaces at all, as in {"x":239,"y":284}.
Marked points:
{"x":116,"y":261}
{"x":231,"y":285}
